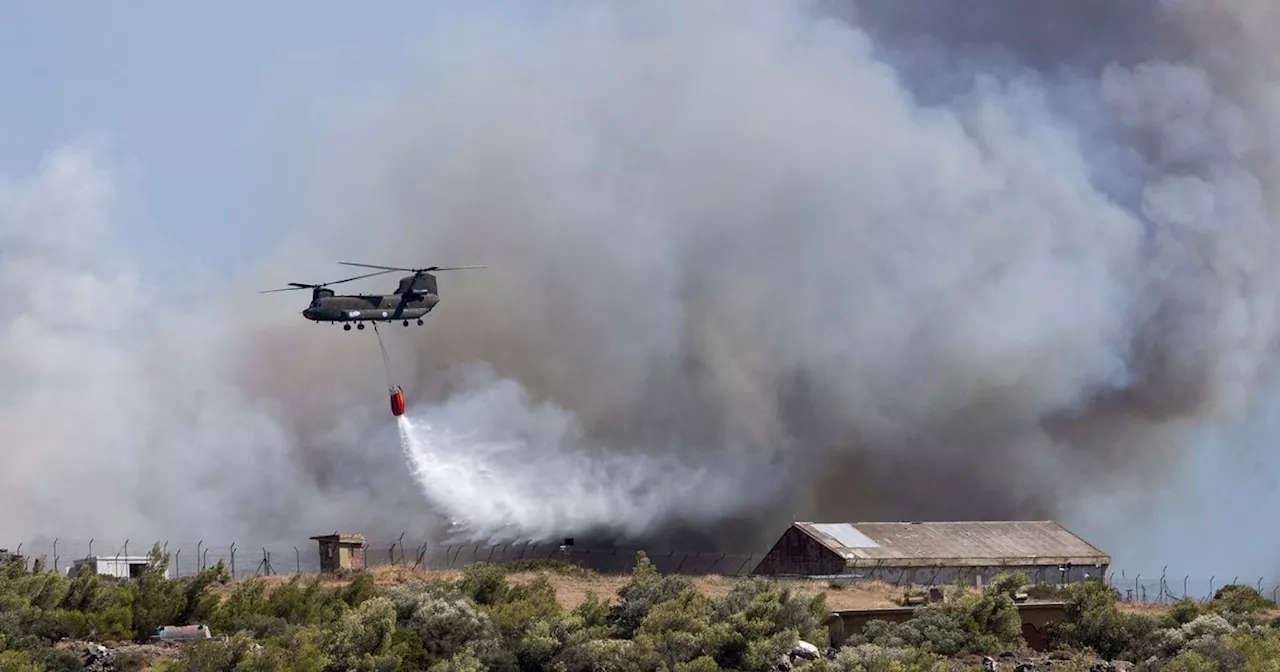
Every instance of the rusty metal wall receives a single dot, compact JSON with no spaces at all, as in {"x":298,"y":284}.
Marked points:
{"x":798,"y":554}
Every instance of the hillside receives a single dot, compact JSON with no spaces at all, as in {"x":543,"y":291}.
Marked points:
{"x":551,"y":616}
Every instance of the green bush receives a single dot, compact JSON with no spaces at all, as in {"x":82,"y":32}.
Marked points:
{"x":1239,"y":599}
{"x":1094,"y":622}
{"x":486,"y":620}
{"x":964,"y":623}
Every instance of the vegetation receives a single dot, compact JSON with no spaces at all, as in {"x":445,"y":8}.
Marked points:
{"x":484,"y":620}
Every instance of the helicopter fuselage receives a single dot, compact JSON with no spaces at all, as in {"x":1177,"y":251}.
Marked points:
{"x":370,"y":307}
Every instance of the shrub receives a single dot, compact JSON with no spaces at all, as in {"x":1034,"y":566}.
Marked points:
{"x":1182,"y":612}
{"x":1239,"y":599}
{"x":1190,"y":661}
{"x":873,"y":658}
{"x":965,"y":623}
{"x":484,"y":583}
{"x":1095,"y":622}
{"x":645,"y":589}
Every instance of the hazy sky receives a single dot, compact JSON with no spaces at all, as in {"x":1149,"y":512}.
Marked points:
{"x":192,"y":95}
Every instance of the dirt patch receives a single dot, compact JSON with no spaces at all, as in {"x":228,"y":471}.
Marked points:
{"x":572,"y":589}
{"x":1142,"y":609}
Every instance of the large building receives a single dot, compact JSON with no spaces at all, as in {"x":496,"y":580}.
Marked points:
{"x":934,"y":553}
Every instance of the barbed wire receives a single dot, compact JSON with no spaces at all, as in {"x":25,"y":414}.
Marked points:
{"x":248,"y":560}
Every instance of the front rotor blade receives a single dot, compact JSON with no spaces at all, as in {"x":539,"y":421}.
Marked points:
{"x":385,"y":268}
{"x":366,"y":275}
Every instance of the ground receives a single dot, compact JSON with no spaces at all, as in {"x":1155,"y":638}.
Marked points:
{"x":572,"y":588}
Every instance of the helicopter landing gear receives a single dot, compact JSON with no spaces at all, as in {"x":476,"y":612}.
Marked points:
{"x":360,"y":326}
{"x":406,"y":323}
{"x":346,"y":327}
{"x":419,"y":323}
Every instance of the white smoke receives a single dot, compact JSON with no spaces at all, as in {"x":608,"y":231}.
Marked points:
{"x":519,"y":480}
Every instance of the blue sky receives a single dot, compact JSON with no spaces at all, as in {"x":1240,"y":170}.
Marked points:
{"x":197,"y":97}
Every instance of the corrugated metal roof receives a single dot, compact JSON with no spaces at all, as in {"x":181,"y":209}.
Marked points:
{"x":955,"y":543}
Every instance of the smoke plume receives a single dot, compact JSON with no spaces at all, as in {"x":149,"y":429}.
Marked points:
{"x":749,"y":261}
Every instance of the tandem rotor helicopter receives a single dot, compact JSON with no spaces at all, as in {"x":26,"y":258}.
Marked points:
{"x":414,"y":297}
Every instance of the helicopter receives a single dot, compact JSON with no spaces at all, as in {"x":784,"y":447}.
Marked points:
{"x":415,"y":296}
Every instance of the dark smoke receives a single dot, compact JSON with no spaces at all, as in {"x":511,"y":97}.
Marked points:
{"x":874,"y":260}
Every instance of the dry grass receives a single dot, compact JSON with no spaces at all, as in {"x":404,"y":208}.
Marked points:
{"x":572,"y":589}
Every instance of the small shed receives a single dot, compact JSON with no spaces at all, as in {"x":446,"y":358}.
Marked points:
{"x":935,"y":553}
{"x":122,"y":566}
{"x":341,"y":551}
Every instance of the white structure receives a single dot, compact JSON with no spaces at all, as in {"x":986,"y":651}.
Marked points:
{"x":124,"y":566}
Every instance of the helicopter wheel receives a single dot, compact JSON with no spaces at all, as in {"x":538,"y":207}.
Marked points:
{"x":360,"y":326}
{"x":406,"y":323}
{"x":346,"y":327}
{"x":419,"y":323}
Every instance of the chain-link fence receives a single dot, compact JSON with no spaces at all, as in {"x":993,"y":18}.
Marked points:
{"x":250,"y":559}
{"x":1166,"y":587}
{"x":244,"y":560}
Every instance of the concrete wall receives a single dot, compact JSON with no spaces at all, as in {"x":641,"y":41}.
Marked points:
{"x":1035,"y":617}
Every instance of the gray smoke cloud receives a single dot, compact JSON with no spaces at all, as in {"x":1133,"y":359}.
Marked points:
{"x":875,"y":260}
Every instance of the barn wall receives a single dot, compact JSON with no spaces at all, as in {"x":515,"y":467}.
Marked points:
{"x":973,"y":576}
{"x":796,"y":553}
